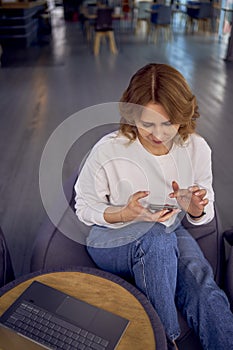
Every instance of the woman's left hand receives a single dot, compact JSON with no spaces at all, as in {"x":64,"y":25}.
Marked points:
{"x":190,"y":200}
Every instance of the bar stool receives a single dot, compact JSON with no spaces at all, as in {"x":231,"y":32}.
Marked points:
{"x":104,"y":28}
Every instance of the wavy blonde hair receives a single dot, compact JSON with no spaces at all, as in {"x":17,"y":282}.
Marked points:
{"x":159,"y":84}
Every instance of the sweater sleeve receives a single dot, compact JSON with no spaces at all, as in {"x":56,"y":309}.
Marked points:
{"x":92,"y":192}
{"x":203,"y":177}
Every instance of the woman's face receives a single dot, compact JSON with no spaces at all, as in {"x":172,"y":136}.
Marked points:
{"x":155,"y":131}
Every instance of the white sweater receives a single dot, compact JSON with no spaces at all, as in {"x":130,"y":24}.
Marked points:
{"x":117,"y":168}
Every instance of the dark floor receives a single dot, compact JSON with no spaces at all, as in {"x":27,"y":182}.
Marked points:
{"x":43,"y":85}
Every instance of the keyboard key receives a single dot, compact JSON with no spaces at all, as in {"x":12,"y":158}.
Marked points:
{"x":97,"y":339}
{"x":60,"y":343}
{"x":75,"y":336}
{"x":63,"y":330}
{"x":33,"y":317}
{"x":24,"y":326}
{"x":41,"y":335}
{"x":23,"y":306}
{"x":57,"y":328}
{"x":81,"y":339}
{"x":12,"y":320}
{"x":44,"y":329}
{"x":62,"y":337}
{"x":41,"y":313}
{"x":18,"y":323}
{"x":83,"y":333}
{"x":48,"y":338}
{"x":87,"y":342}
{"x":69,"y":333}
{"x":53,"y":341}
{"x":81,"y":347}
{"x":27,"y":321}
{"x":34,"y":310}
{"x":38,"y":326}
{"x":90,"y":336}
{"x":104,"y":342}
{"x":56,"y":334}
{"x":35,"y":331}
{"x":47,"y":316}
{"x":50,"y":331}
{"x":97,"y":346}
{"x":68,"y":340}
{"x":66,"y":347}
{"x":74,"y":343}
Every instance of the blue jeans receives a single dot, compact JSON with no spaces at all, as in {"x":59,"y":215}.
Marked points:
{"x":170,"y":269}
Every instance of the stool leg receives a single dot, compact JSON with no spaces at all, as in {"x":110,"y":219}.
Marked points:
{"x":97,"y":43}
{"x":112,"y":43}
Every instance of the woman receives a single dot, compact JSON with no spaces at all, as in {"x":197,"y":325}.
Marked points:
{"x":156,"y":158}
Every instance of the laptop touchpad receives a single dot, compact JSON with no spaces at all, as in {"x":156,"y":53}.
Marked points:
{"x":77,"y":311}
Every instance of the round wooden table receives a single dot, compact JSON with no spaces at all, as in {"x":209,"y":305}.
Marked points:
{"x":108,"y":292}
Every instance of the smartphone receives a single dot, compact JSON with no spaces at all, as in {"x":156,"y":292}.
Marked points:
{"x":158,"y":207}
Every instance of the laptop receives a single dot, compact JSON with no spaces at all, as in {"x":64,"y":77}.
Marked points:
{"x":44,"y":318}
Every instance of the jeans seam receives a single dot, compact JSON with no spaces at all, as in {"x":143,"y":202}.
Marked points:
{"x":143,"y":268}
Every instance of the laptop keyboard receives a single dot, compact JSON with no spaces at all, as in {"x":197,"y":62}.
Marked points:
{"x":54,"y":332}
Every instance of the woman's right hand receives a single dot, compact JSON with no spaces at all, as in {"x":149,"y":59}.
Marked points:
{"x":134,"y":211}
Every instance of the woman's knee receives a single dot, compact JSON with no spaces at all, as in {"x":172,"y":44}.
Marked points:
{"x":157,"y":237}
{"x":114,"y":260}
{"x":156,"y":243}
{"x":195,"y":271}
